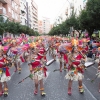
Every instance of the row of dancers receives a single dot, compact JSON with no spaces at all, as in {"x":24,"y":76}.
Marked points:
{"x":69,"y":52}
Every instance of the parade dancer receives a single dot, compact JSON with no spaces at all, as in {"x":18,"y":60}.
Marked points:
{"x":4,"y":75}
{"x":54,"y":52}
{"x":61,"y":60}
{"x":13,"y":54}
{"x":85,"y":47}
{"x":37,"y":71}
{"x":75,"y":69}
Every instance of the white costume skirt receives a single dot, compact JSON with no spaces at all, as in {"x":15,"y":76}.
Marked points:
{"x":54,"y":52}
{"x":4,"y":78}
{"x":99,"y":75}
{"x":39,"y":75}
{"x":75,"y":77}
{"x":26,"y":54}
{"x":61,"y":59}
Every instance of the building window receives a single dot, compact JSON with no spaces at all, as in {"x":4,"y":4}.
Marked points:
{"x":16,"y":17}
{"x":4,"y":10}
{"x":9,"y":9}
{"x":13,"y":4}
{"x":12,"y":14}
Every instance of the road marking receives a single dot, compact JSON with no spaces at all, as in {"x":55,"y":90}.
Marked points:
{"x":89,"y":92}
{"x":12,"y":74}
{"x":94,"y":67}
{"x":48,"y":73}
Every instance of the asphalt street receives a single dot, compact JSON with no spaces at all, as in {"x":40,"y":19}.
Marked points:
{"x":55,"y":85}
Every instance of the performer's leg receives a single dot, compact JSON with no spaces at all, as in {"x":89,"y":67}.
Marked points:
{"x":49,"y":51}
{"x":69,"y":87}
{"x":1,"y":91}
{"x":54,"y":56}
{"x":36,"y":86}
{"x":64,"y":65}
{"x":15,"y":64}
{"x":81,"y":89}
{"x":5,"y":89}
{"x":19,"y":67}
{"x":42,"y":88}
{"x":60,"y":66}
{"x":99,"y":87}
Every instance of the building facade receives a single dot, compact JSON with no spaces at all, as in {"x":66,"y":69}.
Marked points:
{"x":23,"y":12}
{"x":76,"y":5}
{"x":46,"y":25}
{"x":40,"y":26}
{"x":33,"y":15}
{"x":10,"y":9}
{"x":64,"y":13}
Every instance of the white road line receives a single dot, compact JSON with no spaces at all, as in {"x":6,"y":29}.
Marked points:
{"x":89,"y":92}
{"x":94,"y":67}
{"x":12,"y":74}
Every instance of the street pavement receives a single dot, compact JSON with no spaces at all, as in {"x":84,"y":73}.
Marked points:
{"x":55,"y":85}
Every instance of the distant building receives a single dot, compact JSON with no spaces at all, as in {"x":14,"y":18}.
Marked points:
{"x":33,"y":15}
{"x":46,"y":25}
{"x":40,"y":27}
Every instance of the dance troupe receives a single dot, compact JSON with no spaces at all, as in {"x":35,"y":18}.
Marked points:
{"x":72,"y":54}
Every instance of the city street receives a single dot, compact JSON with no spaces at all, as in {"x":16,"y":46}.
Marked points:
{"x":55,"y":85}
{"x":68,"y":29}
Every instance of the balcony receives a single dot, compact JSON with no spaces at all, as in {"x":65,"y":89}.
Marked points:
{"x":3,"y":1}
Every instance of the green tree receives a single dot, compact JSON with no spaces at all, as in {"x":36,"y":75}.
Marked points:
{"x":90,"y":17}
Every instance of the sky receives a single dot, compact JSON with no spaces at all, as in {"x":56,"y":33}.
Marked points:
{"x":50,"y":8}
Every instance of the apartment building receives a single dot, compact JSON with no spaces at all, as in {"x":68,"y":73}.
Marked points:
{"x":64,"y":13}
{"x":78,"y":6}
{"x":23,"y":12}
{"x":33,"y":15}
{"x":46,"y":25}
{"x":40,"y":26}
{"x":10,"y":9}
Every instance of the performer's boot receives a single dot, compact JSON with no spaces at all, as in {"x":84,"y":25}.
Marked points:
{"x":5,"y":92}
{"x":35,"y":92}
{"x":69,"y":91}
{"x":42,"y":92}
{"x":81,"y":89}
{"x":85,"y":68}
{"x":42,"y":88}
{"x":19,"y":70}
{"x":36,"y":88}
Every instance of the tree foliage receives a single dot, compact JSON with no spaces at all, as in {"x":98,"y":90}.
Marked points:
{"x":15,"y":28}
{"x":88,"y":19}
{"x":64,"y":28}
